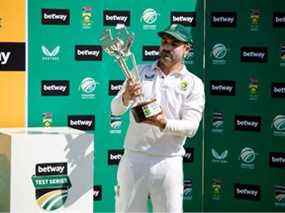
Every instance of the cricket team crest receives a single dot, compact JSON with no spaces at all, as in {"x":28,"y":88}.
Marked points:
{"x":51,"y":185}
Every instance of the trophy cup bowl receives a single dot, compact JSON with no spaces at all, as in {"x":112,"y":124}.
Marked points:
{"x":119,"y":48}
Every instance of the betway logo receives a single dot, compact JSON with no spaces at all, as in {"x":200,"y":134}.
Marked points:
{"x":253,"y":54}
{"x":151,"y":53}
{"x":260,"y":55}
{"x":116,"y":18}
{"x":55,"y":16}
{"x":246,"y":192}
{"x":222,"y":88}
{"x":223,"y":19}
{"x":87,"y":53}
{"x":81,"y":122}
{"x":116,"y":87}
{"x":54,"y":88}
{"x":114,"y":156}
{"x":97,"y":192}
{"x":12,"y":56}
{"x":278,"y":19}
{"x":49,"y":169}
{"x":247,"y":123}
{"x":4,"y":57}
{"x":184,"y":18}
{"x":278,"y":160}
{"x":189,"y":155}
{"x":278,"y":90}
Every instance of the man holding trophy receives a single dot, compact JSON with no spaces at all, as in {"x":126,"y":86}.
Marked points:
{"x":166,"y":103}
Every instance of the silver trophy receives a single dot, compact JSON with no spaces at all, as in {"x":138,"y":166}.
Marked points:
{"x":119,"y":47}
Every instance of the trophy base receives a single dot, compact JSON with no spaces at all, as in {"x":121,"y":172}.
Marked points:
{"x":145,"y":110}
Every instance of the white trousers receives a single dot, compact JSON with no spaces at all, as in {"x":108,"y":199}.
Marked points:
{"x":141,"y":175}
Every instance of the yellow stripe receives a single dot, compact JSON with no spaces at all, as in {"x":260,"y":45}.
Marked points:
{"x":12,"y":99}
{"x":44,"y":197}
{"x":12,"y":15}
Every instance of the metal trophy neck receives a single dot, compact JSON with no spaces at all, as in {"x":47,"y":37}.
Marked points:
{"x":119,"y":47}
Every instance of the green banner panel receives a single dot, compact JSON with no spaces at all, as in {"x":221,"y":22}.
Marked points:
{"x":72,"y":81}
{"x":244,"y":116}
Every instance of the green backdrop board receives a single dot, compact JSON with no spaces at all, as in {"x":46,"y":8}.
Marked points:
{"x":72,"y":82}
{"x":236,"y":161}
{"x":244,"y":118}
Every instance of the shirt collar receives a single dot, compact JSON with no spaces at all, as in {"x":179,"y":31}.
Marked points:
{"x":181,"y":73}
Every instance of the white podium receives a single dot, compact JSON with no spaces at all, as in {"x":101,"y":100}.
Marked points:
{"x":46,"y":169}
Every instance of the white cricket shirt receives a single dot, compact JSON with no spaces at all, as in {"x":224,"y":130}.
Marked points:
{"x":182,"y":99}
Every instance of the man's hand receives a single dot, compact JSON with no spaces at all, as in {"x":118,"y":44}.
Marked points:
{"x":158,"y":120}
{"x":133,"y":89}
